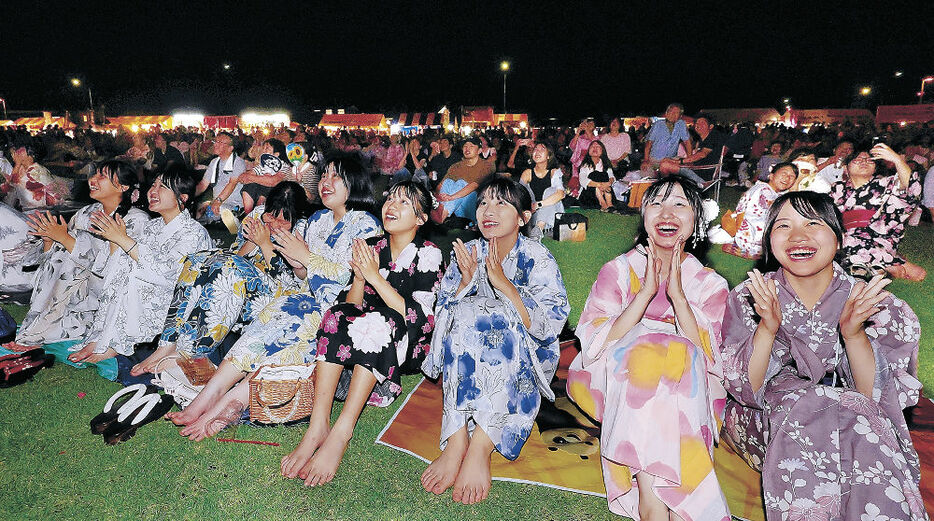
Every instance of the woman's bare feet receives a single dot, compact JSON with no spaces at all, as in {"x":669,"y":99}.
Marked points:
{"x":473,"y":480}
{"x":149,"y":364}
{"x":441,"y":473}
{"x":323,"y":465}
{"x":83,"y":354}
{"x":214,"y":421}
{"x":100,"y":357}
{"x":295,"y":461}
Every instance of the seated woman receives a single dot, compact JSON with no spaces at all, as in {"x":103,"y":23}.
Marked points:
{"x":544,"y":180}
{"x":222,"y":290}
{"x":76,"y":262}
{"x":17,"y":251}
{"x":650,"y":367}
{"x":31,"y":185}
{"x":820,"y":367}
{"x":596,"y":178}
{"x":500,"y":309}
{"x":138,"y":291}
{"x":755,"y":204}
{"x":394,"y":282}
{"x":876,"y":203}
{"x":284,"y":331}
{"x":272,"y":168}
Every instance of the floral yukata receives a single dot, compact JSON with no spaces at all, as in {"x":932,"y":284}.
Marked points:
{"x":825,"y":451}
{"x":34,"y":187}
{"x":874,"y":216}
{"x":660,"y":398}
{"x":754,"y":205}
{"x":284,"y":331}
{"x":495,"y":370}
{"x":219,"y":291}
{"x":68,"y":285}
{"x":137,"y":294}
{"x":376,"y":336}
{"x":17,"y":250}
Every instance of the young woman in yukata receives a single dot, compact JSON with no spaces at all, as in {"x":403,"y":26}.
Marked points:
{"x":284,"y":331}
{"x":138,"y":291}
{"x":501,"y":306}
{"x":650,"y":367}
{"x":76,"y":261}
{"x":381,"y":329}
{"x":819,"y":368}
{"x":222,"y":290}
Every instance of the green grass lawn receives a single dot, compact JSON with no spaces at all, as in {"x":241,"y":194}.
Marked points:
{"x":51,"y":466}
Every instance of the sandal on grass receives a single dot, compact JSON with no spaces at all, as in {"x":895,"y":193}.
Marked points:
{"x":23,"y":368}
{"x":105,"y":419}
{"x":136,"y":413}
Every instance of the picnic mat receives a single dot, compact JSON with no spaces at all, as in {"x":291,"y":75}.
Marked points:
{"x":106,"y":368}
{"x":416,"y":428}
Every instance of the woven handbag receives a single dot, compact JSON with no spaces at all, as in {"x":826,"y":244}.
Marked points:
{"x":279,"y":393}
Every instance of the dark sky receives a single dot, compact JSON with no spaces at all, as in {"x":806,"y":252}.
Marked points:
{"x":569,"y":59}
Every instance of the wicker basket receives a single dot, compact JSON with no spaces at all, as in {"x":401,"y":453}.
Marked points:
{"x":281,"y":401}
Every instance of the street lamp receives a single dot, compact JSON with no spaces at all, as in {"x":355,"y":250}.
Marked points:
{"x":226,"y":66}
{"x":865,"y":91}
{"x":75,"y":82}
{"x":504,"y":66}
{"x":925,"y":80}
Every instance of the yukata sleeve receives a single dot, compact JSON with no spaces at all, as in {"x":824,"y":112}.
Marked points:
{"x":546,"y":300}
{"x":447,"y":298}
{"x":161,"y":264}
{"x":420,"y":303}
{"x":708,"y":297}
{"x":739,"y":326}
{"x":329,"y":267}
{"x":609,"y":296}
{"x":894,"y":333}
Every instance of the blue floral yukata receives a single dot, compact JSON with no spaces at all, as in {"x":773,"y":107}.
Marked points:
{"x":495,"y":370}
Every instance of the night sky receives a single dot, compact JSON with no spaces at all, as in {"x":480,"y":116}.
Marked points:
{"x":568,"y":59}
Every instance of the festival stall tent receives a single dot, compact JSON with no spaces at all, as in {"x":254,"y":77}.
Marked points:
{"x":137,"y":123}
{"x":808,"y":117}
{"x":7,"y":122}
{"x":40,"y":123}
{"x":415,"y":121}
{"x":221,"y":122}
{"x":759,"y":116}
{"x":477,"y":117}
{"x":332,"y":122}
{"x":904,"y":114}
{"x":511,"y":120}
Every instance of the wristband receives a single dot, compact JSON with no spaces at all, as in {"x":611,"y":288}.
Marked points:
{"x":135,"y":244}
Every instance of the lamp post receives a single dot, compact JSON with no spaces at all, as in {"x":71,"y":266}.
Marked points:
{"x":4,"y":108}
{"x":75,"y":82}
{"x":504,"y":66}
{"x":925,"y":80}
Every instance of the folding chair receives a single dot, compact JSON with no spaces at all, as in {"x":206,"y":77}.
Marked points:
{"x":716,"y":180}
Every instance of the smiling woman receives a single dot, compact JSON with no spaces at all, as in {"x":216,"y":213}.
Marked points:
{"x":649,"y":367}
{"x":811,"y":354}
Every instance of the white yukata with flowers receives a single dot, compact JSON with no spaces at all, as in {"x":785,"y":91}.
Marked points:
{"x":137,"y":294}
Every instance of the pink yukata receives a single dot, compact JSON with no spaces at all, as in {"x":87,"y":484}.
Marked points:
{"x":754,"y":204}
{"x":660,"y":398}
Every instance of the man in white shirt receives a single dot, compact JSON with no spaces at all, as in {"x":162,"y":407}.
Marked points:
{"x":223,"y":167}
{"x":831,"y":169}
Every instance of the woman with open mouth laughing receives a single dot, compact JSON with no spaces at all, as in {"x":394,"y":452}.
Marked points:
{"x":650,"y":366}
{"x":819,"y":367}
{"x":138,"y":292}
{"x":283,"y":332}
{"x":75,"y":261}
{"x":501,"y":306}
{"x":380,"y":330}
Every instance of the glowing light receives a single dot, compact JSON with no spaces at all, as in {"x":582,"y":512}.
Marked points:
{"x":903,"y":123}
{"x":504,"y":66}
{"x":865,"y":91}
{"x":75,"y":82}
{"x":466,"y":129}
{"x":395,"y":128}
{"x":928,"y":79}
{"x":188,"y":119}
{"x":450,"y":127}
{"x":259,"y":119}
{"x":266,"y":131}
{"x":899,"y":74}
{"x":786,"y":101}
{"x":523,"y":124}
{"x":226,"y":66}
{"x":134,"y":127}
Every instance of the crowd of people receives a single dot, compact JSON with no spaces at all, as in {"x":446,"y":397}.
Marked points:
{"x":807,"y":365}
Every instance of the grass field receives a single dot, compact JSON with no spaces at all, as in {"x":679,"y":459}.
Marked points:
{"x":51,"y":466}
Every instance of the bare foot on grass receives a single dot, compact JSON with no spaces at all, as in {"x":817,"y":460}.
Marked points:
{"x":441,"y":473}
{"x":294,"y":461}
{"x":323,"y":465}
{"x":473,"y":480}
